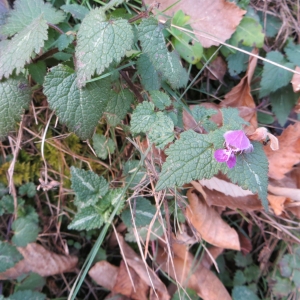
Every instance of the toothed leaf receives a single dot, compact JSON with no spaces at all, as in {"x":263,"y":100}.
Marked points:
{"x":160,"y":99}
{"x":79,"y":109}
{"x":251,"y":172}
{"x":27,"y":11}
{"x":14,"y":98}
{"x":76,"y":10}
{"x":88,"y":187}
{"x":15,"y":53}
{"x":189,"y":158}
{"x":100,"y":42}
{"x":9,"y":256}
{"x":103,"y":146}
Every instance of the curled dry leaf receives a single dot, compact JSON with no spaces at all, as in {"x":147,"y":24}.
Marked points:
{"x":219,"y":192}
{"x":277,"y":203}
{"x":181,"y":267}
{"x":41,"y":261}
{"x":203,"y":18}
{"x":240,"y":95}
{"x":283,"y":160}
{"x":209,"y":223}
{"x":261,"y":134}
{"x":141,"y":276}
{"x":296,"y":80}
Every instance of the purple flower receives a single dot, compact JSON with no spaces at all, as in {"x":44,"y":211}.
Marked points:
{"x":235,"y":141}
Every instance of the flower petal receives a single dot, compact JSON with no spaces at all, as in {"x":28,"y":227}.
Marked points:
{"x":237,"y":140}
{"x":231,"y":161}
{"x":222,"y":155}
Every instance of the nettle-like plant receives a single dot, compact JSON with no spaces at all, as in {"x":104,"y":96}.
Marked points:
{"x":87,"y":87}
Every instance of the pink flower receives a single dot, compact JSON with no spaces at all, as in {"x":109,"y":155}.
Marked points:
{"x":235,"y":141}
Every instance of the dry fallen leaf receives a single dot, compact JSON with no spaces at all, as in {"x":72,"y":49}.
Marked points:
{"x":261,"y":133}
{"x":283,"y":160}
{"x":277,"y":203}
{"x":182,"y":269}
{"x":226,"y":194}
{"x":217,"y":69}
{"x":240,"y":95}
{"x":216,"y":19}
{"x":296,"y":80}
{"x":209,"y":223}
{"x":41,"y":261}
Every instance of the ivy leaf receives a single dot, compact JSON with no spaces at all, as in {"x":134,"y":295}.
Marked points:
{"x":161,"y":100}
{"x":283,"y":101}
{"x":189,"y":158}
{"x":250,"y":33}
{"x":153,"y":44}
{"x":273,"y":77}
{"x":25,"y":12}
{"x":79,"y":109}
{"x":162,"y":131}
{"x":150,"y":78}
{"x":14,"y":98}
{"x":100,"y":42}
{"x":25,"y":231}
{"x":88,"y":186}
{"x":143,"y":213}
{"x":86,"y":219}
{"x":103,"y":146}
{"x":118,"y":106}
{"x":15,"y":53}
{"x":76,"y":10}
{"x":143,"y":117}
{"x":251,"y":172}
{"x":9,"y":256}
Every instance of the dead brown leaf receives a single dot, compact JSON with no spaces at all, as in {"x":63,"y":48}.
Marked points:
{"x":221,"y":192}
{"x":41,"y":261}
{"x":241,"y":96}
{"x":124,"y":286}
{"x":283,"y":160}
{"x":216,"y":19}
{"x":261,"y":134}
{"x":277,"y":203}
{"x":217,"y":69}
{"x":111,"y":272}
{"x":296,"y":80}
{"x":209,"y":223}
{"x":183,"y":270}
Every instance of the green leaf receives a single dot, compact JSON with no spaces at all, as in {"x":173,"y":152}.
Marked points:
{"x":142,"y":118}
{"x":64,"y":41}
{"x":15,"y":53}
{"x":274,"y":77}
{"x":265,"y":118}
{"x":9,"y":256}
{"x":25,"y":231}
{"x":272,"y":25}
{"x":162,"y":131}
{"x":249,"y":33}
{"x":153,"y":44}
{"x":109,"y":201}
{"x":7,"y":202}
{"x":202,"y":116}
{"x":243,"y":292}
{"x":189,"y":158}
{"x":27,"y":11}
{"x":129,"y":168}
{"x":282,"y":287}
{"x":117,"y":107}
{"x":283,"y":102}
{"x":28,"y":189}
{"x":239,"y":278}
{"x":252,"y":273}
{"x":103,"y":146}
{"x":150,"y":78}
{"x":161,"y":100}
{"x":32,"y":282}
{"x":243,"y":260}
{"x":86,"y":219}
{"x":38,"y":71}
{"x":79,"y":109}
{"x":293,"y":53}
{"x":251,"y":172}
{"x":88,"y":186}
{"x":238,"y":62}
{"x":77,"y":11}
{"x":27,"y":295}
{"x":100,"y":42}
{"x":14,"y":98}
{"x":142,"y":211}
